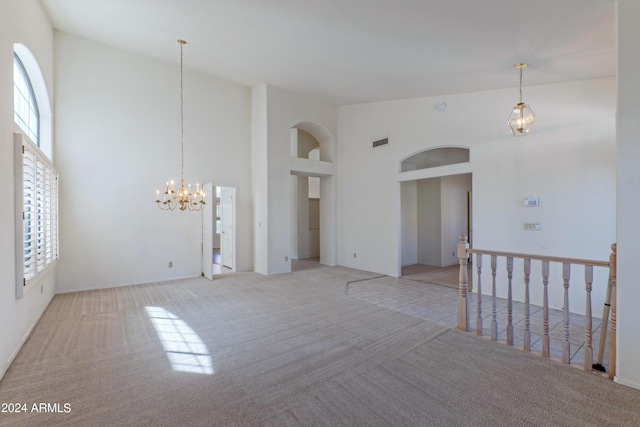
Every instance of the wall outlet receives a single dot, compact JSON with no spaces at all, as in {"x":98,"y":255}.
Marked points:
{"x":354,"y":254}
{"x":286,"y":258}
{"x":531,"y":226}
{"x":170,"y":264}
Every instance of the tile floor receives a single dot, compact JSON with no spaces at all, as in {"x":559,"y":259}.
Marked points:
{"x":438,"y":303}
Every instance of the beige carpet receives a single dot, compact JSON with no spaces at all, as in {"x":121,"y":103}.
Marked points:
{"x":290,"y":349}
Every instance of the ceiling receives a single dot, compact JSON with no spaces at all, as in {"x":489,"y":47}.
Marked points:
{"x":354,"y":51}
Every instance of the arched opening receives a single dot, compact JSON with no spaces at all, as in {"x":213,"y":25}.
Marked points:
{"x":435,"y":209}
{"x":312,"y":195}
{"x":311,"y":136}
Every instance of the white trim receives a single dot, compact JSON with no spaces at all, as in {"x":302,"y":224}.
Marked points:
{"x":626,"y":383}
{"x":70,"y":291}
{"x":7,"y":364}
{"x":18,"y":206}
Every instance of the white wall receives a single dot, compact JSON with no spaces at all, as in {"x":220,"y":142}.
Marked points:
{"x":314,"y":228}
{"x":454,"y":215}
{"x":259,"y":178}
{"x":440,"y":211}
{"x":628,"y":204}
{"x":118,"y":140}
{"x":409,"y":223}
{"x":429,"y":230}
{"x":20,"y":22}
{"x":568,"y":161}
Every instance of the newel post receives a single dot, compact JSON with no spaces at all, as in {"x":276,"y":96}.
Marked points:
{"x":612,"y":336}
{"x":463,"y":303}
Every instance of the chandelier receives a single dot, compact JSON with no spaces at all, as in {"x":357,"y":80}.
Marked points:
{"x":521,"y":118}
{"x":182,"y":198}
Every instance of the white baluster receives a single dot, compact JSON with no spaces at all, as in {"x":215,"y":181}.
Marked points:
{"x":527,"y":310}
{"x":479,"y":315}
{"x":510,"y":301}
{"x":614,"y":304}
{"x":463,"y":304}
{"x":588,"y":324}
{"x":494,"y":309}
{"x":566,"y":345}
{"x":545,"y":309}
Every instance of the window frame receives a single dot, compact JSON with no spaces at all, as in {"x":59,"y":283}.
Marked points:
{"x":33,"y":132}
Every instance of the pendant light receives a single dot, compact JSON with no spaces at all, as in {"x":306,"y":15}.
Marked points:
{"x":521,"y":118}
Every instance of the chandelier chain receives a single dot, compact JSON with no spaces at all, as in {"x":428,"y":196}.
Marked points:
{"x":182,"y":117}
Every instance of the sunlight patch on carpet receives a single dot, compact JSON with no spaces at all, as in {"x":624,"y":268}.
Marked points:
{"x":185,"y":350}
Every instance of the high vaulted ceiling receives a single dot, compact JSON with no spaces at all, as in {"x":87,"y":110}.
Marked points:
{"x":354,"y":51}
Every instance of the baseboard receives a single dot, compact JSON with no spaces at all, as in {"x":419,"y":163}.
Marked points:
{"x":631,"y":384}
{"x":69,"y":291}
{"x":7,"y":364}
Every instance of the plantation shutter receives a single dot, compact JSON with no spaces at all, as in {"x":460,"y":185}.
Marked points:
{"x":36,"y":212}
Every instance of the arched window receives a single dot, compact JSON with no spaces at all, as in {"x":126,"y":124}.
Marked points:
{"x":434,"y":157}
{"x":25,"y":108}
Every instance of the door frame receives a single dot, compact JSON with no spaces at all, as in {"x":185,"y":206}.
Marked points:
{"x":234,"y":196}
{"x":207,"y":250}
{"x":207,"y":253}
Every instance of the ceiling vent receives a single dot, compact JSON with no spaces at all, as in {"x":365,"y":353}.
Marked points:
{"x":380,"y":142}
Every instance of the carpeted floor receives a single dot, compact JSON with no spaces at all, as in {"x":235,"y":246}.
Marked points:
{"x":291,"y":349}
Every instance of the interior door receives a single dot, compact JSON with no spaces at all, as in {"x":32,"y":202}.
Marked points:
{"x":207,"y":231}
{"x":227,"y":196}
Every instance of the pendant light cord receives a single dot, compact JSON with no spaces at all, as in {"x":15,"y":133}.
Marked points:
{"x":521,"y":85}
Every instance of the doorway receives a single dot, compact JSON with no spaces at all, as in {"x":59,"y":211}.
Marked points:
{"x":305,"y":227}
{"x":218,"y":231}
{"x":434,"y":213}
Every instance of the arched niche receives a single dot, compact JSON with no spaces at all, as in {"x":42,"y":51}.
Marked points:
{"x":309,"y":137}
{"x":435,"y":157}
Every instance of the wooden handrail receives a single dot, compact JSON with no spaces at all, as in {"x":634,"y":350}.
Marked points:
{"x":579,"y":261}
{"x":463,"y":306}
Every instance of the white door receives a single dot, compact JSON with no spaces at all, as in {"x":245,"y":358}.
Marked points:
{"x":227,"y":196}
{"x":207,"y":231}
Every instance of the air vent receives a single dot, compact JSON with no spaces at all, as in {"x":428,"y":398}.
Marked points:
{"x":380,"y":142}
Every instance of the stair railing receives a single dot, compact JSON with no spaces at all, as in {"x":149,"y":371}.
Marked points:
{"x":464,"y":314}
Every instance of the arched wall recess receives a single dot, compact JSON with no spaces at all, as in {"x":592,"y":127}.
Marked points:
{"x":324,"y":138}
